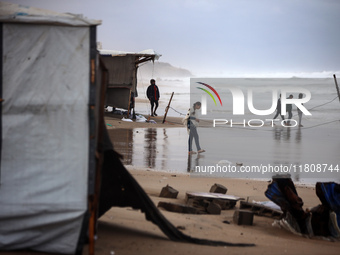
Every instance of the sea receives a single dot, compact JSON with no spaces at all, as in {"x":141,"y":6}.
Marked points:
{"x":241,"y":145}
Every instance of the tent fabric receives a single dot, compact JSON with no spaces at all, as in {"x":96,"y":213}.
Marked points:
{"x":329,"y":194}
{"x":20,"y":13}
{"x":122,"y":79}
{"x":121,"y":70}
{"x":45,"y":136}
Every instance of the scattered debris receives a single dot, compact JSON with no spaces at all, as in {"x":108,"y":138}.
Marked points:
{"x":127,"y":120}
{"x":242,"y":217}
{"x":168,"y":192}
{"x":214,"y":201}
{"x":179,"y":208}
{"x":218,"y":188}
{"x":140,"y":118}
{"x":261,"y":209}
{"x":180,"y":227}
{"x":214,"y":208}
{"x":225,"y":201}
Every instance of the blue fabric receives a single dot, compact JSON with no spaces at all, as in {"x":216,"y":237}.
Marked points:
{"x":274,"y":193}
{"x":332,"y":196}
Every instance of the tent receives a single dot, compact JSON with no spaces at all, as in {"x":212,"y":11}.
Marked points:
{"x":48,"y":123}
{"x":122,"y":81}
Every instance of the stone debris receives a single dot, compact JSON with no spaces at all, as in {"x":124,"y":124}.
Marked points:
{"x":168,"y":192}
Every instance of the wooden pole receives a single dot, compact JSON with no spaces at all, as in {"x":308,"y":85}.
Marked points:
{"x":128,"y":112}
{"x":336,"y":85}
{"x":167,"y":108}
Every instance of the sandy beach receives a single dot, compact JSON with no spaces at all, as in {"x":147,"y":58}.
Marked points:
{"x":126,"y":231}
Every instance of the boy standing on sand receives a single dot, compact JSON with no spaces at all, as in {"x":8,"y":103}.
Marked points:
{"x":153,"y":95}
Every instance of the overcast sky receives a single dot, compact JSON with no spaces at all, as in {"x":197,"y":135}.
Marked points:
{"x":219,"y":37}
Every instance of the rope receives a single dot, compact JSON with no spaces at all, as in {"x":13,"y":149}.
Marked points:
{"x":318,"y":106}
{"x":177,"y":111}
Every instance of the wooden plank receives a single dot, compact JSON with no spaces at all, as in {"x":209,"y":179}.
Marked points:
{"x":179,"y":208}
{"x":203,"y":200}
{"x":167,"y":108}
{"x":204,"y":195}
{"x":261,"y":210}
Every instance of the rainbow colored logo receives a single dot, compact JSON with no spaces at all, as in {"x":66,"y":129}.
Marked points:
{"x":209,"y":93}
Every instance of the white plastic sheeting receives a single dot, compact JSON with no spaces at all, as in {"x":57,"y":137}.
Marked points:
{"x":21,"y":13}
{"x":144,"y":53}
{"x":45,"y":136}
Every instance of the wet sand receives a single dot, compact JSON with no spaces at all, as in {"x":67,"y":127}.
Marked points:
{"x":297,"y":150}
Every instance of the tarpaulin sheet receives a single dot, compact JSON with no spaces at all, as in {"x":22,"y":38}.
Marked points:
{"x":45,"y":143}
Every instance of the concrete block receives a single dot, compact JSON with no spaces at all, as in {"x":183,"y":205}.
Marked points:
{"x":242,"y":217}
{"x":168,"y":192}
{"x":218,"y":188}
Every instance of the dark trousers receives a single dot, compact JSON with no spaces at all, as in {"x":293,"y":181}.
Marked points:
{"x":153,"y":103}
{"x":277,"y":114}
{"x":194,"y":135}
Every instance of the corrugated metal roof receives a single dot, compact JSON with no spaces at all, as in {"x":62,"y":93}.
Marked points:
{"x":25,"y":14}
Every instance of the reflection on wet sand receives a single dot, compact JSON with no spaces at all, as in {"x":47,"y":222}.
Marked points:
{"x":194,"y":161}
{"x":156,"y":148}
{"x":150,"y":146}
{"x":122,"y":140}
{"x":166,"y":149}
{"x":283,"y":133}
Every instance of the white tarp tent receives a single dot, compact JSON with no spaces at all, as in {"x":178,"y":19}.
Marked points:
{"x":46,"y":149}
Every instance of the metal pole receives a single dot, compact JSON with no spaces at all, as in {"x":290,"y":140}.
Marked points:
{"x":336,"y":85}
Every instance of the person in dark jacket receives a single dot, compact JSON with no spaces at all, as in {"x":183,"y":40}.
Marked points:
{"x":278,"y":109}
{"x":299,"y":111}
{"x":153,"y":95}
{"x":289,"y":109}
